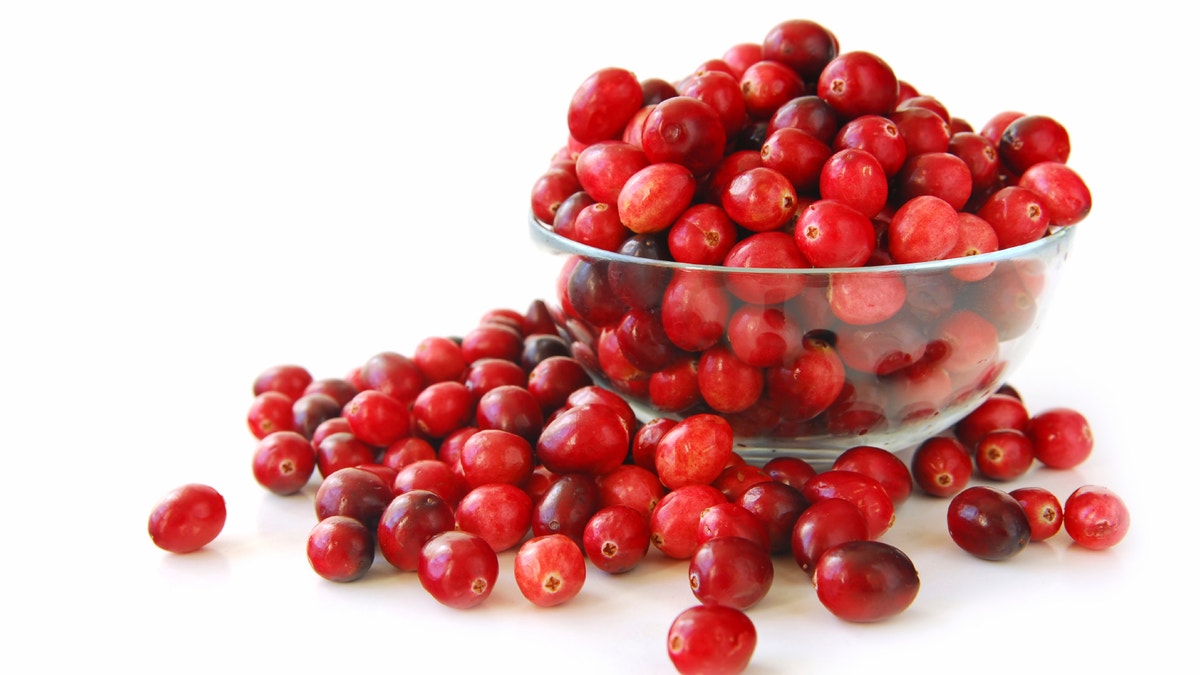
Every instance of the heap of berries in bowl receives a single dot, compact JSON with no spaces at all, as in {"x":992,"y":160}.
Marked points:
{"x":794,"y":238}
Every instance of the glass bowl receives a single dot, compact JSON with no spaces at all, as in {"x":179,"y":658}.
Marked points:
{"x":803,"y":362}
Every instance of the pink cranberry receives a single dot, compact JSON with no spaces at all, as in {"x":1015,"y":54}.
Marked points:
{"x":549,"y":570}
{"x":1095,"y":517}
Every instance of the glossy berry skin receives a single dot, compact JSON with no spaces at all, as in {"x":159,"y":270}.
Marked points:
{"x":501,"y":513}
{"x":988,"y":523}
{"x":284,"y":462}
{"x":458,"y":569}
{"x":863,"y":491}
{"x":408,"y":522}
{"x":567,"y":506}
{"x":824,"y":525}
{"x":675,"y":520}
{"x":694,"y":451}
{"x":549,"y":570}
{"x":777,"y":506}
{"x":340,"y":549}
{"x":998,"y":411}
{"x":288,"y":379}
{"x":711,"y":640}
{"x":187,"y":518}
{"x":616,"y":538}
{"x":590,"y":438}
{"x":269,"y":412}
{"x":858,"y":83}
{"x":1042,"y":508}
{"x":378,"y":419}
{"x":884,"y":466}
{"x":1004,"y":454}
{"x":603,"y":104}
{"x":865,"y":581}
{"x":730,"y":571}
{"x":1062,"y":437}
{"x":1095,"y":517}
{"x":353,"y":492}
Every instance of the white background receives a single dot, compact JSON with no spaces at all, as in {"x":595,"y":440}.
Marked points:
{"x":192,"y":192}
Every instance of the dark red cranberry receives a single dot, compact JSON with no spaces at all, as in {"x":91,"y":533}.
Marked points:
{"x":290,"y":380}
{"x":407,"y":522}
{"x":568,"y":505}
{"x":341,"y":548}
{"x":353,"y":492}
{"x":988,"y":523}
{"x":865,"y":581}
{"x":777,"y":505}
{"x":730,"y":571}
{"x":804,"y":46}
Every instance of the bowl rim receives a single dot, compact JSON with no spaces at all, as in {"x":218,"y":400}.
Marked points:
{"x":1053,"y":241}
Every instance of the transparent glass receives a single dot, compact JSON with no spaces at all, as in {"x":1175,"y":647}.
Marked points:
{"x":804,"y":362}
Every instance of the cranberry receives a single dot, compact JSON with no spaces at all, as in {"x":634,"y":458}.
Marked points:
{"x":511,"y":408}
{"x":877,"y":135}
{"x":804,"y":46}
{"x":283,"y":462}
{"x":644,"y":342}
{"x":822,"y":526}
{"x":791,"y":470}
{"x":1063,"y":193}
{"x":542,"y":346}
{"x":994,"y":128}
{"x":549,"y":191}
{"x":702,"y":235}
{"x":695,"y":309}
{"x":406,"y":451}
{"x":1062,"y":437}
{"x":568,"y":505}
{"x":1031,"y":139}
{"x":970,"y":341}
{"x":674,"y":521}
{"x":187,"y":518}
{"x":496,"y":456}
{"x":655,"y":196}
{"x":568,"y":211}
{"x":941,"y":466}
{"x":855,"y":178}
{"x":342,"y":450}
{"x":810,"y":114}
{"x":863,"y":491}
{"x":694,"y":451}
{"x":341,"y":548}
{"x":443,"y":407}
{"x":981,"y":157}
{"x":458,"y":569}
{"x":865,"y":298}
{"x":810,"y":382}
{"x":925,"y":101}
{"x":728,"y":384}
{"x":353,"y":492}
{"x":988,"y":523}
{"x":859,"y":83}
{"x":924,"y":228}
{"x":711,"y":640}
{"x":730,"y":571}
{"x":1095,"y":517}
{"x":939,"y":174}
{"x":740,"y":56}
{"x":923,"y":130}
{"x":777,"y":506}
{"x":440,"y":359}
{"x":603,"y":104}
{"x":393,"y":374}
{"x":884,"y":466}
{"x":675,"y":388}
{"x":732,"y":520}
{"x":732,"y":165}
{"x":775,"y":249}
{"x":269,"y":412}
{"x":684,"y":131}
{"x":549,"y":570}
{"x":998,"y":411}
{"x":1042,"y":508}
{"x":797,"y":155}
{"x":500,"y":513}
{"x":1004,"y":454}
{"x":641,"y":286}
{"x":631,"y":485}
{"x":760,"y":199}
{"x":378,"y":419}
{"x":603,"y":167}
{"x":290,"y":380}
{"x":592,"y":438}
{"x":433,"y":475}
{"x":976,"y":236}
{"x":865,"y":581}
{"x":722,"y":91}
{"x":616,"y":538}
{"x":408,"y":522}
{"x":832,"y":233}
{"x":1017,"y":215}
{"x":737,"y":475}
{"x":768,"y":84}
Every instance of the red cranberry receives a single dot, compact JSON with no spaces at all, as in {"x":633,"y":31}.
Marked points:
{"x":938,"y":174}
{"x":674,"y":521}
{"x":500,"y":513}
{"x":645,"y":441}
{"x":590,"y":438}
{"x":1042,"y":508}
{"x":406,"y":451}
{"x":341,"y":548}
{"x":695,"y":309}
{"x":924,"y":228}
{"x":775,"y":249}
{"x":1095,"y":517}
{"x":791,"y":470}
{"x":760,"y":199}
{"x":511,"y":408}
{"x":353,"y":492}
{"x":407,"y":522}
{"x":440,"y":359}
{"x":458,"y":569}
{"x":269,"y":412}
{"x":378,"y":419}
{"x":994,"y":128}
{"x":804,"y":46}
{"x":777,"y":506}
{"x":1061,"y":437}
{"x":187,"y":518}
{"x":655,"y":196}
{"x":616,"y":538}
{"x":1031,"y":139}
{"x":549,"y":570}
{"x":859,"y":83}
{"x":865,"y":298}
{"x":631,"y":485}
{"x":393,"y":374}
{"x":831,"y":233}
{"x":549,"y":192}
{"x":768,"y":84}
{"x":730,"y":571}
{"x":877,"y":135}
{"x":1017,"y":215}
{"x":738,"y":476}
{"x":722,"y":91}
{"x":686,"y":132}
{"x":797,"y":155}
{"x":283,"y":462}
{"x":568,"y":505}
{"x":923,"y":130}
{"x":884,"y":466}
{"x":941,"y":466}
{"x":810,"y":114}
{"x":863,"y":491}
{"x":988,"y":523}
{"x":732,"y":520}
{"x":865,"y":581}
{"x":711,"y":639}
{"x":702,"y":235}
{"x":496,"y":456}
{"x":1004,"y":454}
{"x":311,"y":410}
{"x":728,"y":384}
{"x":602,"y":104}
{"x":290,"y":380}
{"x":694,"y":451}
{"x":342,"y":450}
{"x":1064,"y":194}
{"x":443,"y":407}
{"x":433,"y":475}
{"x":856,"y":178}
{"x":822,"y":526}
{"x":998,"y":411}
{"x":675,"y":388}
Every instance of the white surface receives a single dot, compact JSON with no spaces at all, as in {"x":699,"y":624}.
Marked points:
{"x":191,"y":192}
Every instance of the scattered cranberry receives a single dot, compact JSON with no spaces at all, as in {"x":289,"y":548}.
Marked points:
{"x":284,"y":461}
{"x":777,"y":505}
{"x":824,"y":525}
{"x":1061,"y":437}
{"x":674,"y":521}
{"x":458,"y":569}
{"x":353,"y":492}
{"x":730,"y":571}
{"x":884,"y":466}
{"x":500,"y":513}
{"x":1095,"y":517}
{"x":863,"y":491}
{"x":187,"y":518}
{"x":1004,"y":454}
{"x":408,"y":522}
{"x":616,"y":538}
{"x":711,"y":640}
{"x":694,"y":451}
{"x":865,"y":581}
{"x":549,"y":569}
{"x":269,"y":412}
{"x":341,"y":548}
{"x":1043,"y":510}
{"x":988,"y":523}
{"x":941,"y":466}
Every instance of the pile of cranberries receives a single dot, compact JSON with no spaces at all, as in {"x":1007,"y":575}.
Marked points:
{"x":790,"y":154}
{"x":500,"y":440}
